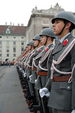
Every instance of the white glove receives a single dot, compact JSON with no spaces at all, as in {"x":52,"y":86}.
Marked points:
{"x":24,"y":74}
{"x":30,"y":78}
{"x":35,"y":81}
{"x":73,"y":111}
{"x":44,"y":92}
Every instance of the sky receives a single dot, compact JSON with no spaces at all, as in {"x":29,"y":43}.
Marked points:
{"x":18,"y":11}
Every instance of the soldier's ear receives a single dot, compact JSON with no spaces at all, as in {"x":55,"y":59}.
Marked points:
{"x":68,"y":25}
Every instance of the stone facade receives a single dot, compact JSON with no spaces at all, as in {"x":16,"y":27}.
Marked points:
{"x":12,"y":42}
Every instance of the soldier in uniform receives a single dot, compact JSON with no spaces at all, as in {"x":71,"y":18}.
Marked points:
{"x":42,"y":71}
{"x":34,"y":53}
{"x":38,"y":48}
{"x":62,"y":77}
{"x":26,"y":72}
{"x":45,"y":41}
{"x":22,"y":58}
{"x":40,"y":62}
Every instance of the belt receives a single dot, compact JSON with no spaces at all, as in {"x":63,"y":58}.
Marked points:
{"x":34,"y":68}
{"x":42,"y":73}
{"x":61,"y":78}
{"x":30,"y":68}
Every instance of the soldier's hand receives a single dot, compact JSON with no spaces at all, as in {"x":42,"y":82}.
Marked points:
{"x":30,"y":78}
{"x":44,"y":92}
{"x":73,"y":111}
{"x":24,"y":74}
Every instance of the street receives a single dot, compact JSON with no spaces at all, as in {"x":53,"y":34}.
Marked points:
{"x":11,"y":95}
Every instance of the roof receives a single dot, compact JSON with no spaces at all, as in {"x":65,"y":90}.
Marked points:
{"x":12,"y":30}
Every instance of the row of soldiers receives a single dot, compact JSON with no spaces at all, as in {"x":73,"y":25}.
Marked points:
{"x":35,"y":66}
{"x":47,"y":68}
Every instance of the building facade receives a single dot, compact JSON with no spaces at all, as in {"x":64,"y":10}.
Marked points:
{"x":12,"y":42}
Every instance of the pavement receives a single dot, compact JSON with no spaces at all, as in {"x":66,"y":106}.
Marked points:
{"x":11,"y":96}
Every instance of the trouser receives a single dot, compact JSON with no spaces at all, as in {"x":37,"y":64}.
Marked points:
{"x":60,"y":111}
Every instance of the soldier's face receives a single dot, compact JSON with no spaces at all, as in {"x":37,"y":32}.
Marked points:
{"x":58,"y":26}
{"x":43,"y":39}
{"x":36,"y":42}
{"x":29,"y":47}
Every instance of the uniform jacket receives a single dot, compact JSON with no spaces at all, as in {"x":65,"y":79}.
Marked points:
{"x":34,"y":54}
{"x":62,"y":94}
{"x":30,"y":63}
{"x":41,"y":64}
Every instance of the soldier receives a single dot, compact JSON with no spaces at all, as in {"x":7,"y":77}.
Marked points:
{"x":40,"y":62}
{"x":26,"y":72}
{"x":48,"y":36}
{"x":45,"y":40}
{"x":62,"y":78}
{"x":21,"y":58}
{"x":38,"y":48}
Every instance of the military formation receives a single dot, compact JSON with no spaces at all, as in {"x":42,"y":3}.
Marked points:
{"x":47,"y":68}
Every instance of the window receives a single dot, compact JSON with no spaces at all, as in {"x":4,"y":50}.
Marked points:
{"x":0,"y":55}
{"x":22,"y":43}
{"x":8,"y":31}
{"x":7,"y":50}
{"x":7,"y":55}
{"x":22,"y":37}
{"x":14,"y":55}
{"x":0,"y":36}
{"x":22,"y":49}
{"x":14,"y":49}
